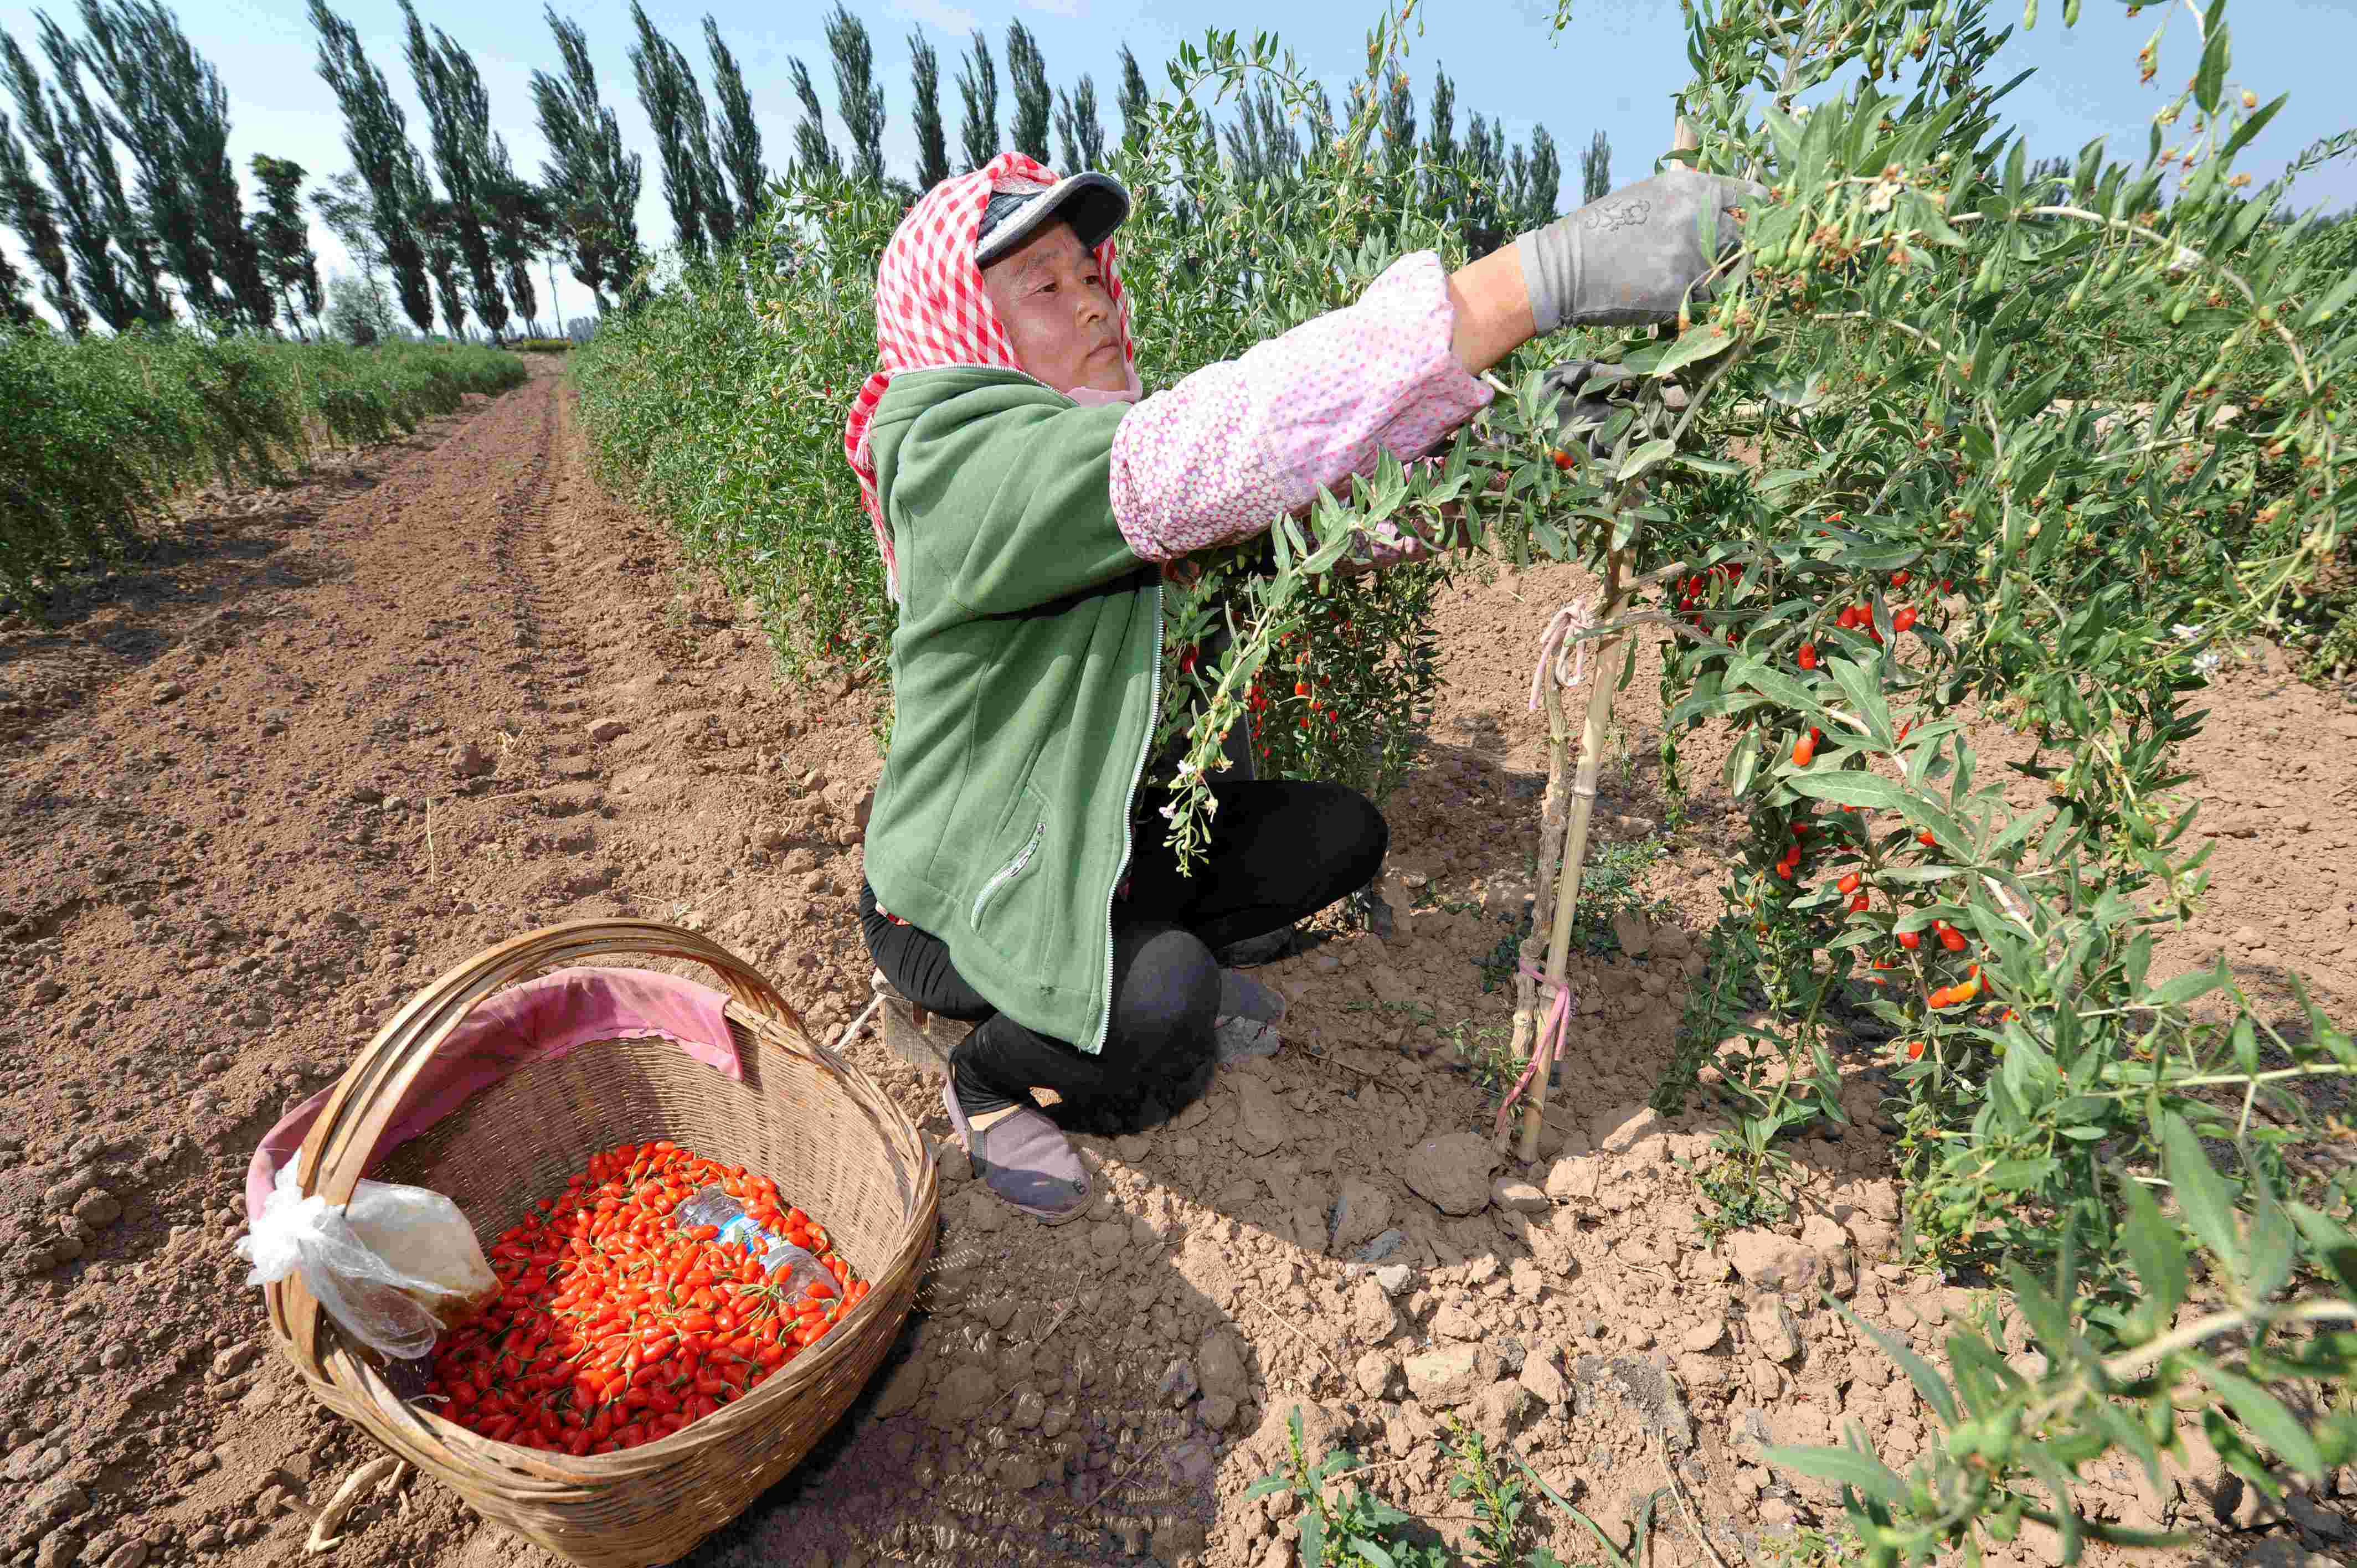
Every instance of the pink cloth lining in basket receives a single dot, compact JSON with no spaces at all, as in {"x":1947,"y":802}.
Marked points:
{"x":537,"y":1020}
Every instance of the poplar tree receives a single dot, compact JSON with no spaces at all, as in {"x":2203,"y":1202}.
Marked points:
{"x":1399,"y":126}
{"x":858,"y":97}
{"x":1136,"y":103}
{"x":15,"y":310}
{"x":701,"y":215}
{"x":1546,"y":180}
{"x":91,"y":142}
{"x":437,"y":228}
{"x":812,"y":152}
{"x":1483,"y":215}
{"x":1027,"y":76}
{"x":925,"y":85}
{"x":345,"y":205}
{"x":106,"y":284}
{"x":173,"y":114}
{"x":978,"y":89}
{"x":25,"y":207}
{"x":1440,"y":137}
{"x":376,"y":134}
{"x":522,"y":225}
{"x":1080,"y":133}
{"x":1261,"y":145}
{"x":592,"y":184}
{"x":282,"y":239}
{"x":1595,"y":168}
{"x":459,"y":126}
{"x":739,"y":133}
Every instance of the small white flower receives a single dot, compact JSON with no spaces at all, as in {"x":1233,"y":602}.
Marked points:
{"x":1170,"y":812}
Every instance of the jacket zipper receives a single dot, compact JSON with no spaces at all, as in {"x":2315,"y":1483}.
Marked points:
{"x":1128,"y":805}
{"x":1007,"y":873}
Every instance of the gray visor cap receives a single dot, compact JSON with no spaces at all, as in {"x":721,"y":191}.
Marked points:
{"x":1094,"y":204}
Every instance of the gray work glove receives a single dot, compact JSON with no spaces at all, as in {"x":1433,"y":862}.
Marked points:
{"x":1627,"y":259}
{"x":1585,"y":404}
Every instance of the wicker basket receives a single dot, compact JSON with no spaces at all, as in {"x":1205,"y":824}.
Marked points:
{"x":821,"y":1128}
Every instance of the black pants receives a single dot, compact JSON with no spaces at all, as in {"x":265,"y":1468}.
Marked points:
{"x":1279,"y":851}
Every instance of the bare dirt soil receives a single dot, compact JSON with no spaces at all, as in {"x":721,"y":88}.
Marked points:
{"x":339,"y":737}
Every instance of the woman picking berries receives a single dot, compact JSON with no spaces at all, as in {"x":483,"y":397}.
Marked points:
{"x":1028,"y":500}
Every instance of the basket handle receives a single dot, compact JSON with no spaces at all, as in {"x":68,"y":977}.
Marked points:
{"x":336,"y":1152}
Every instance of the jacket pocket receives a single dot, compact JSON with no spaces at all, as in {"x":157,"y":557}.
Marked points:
{"x":1021,"y":845}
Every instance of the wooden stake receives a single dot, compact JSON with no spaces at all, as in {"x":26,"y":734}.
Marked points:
{"x":1603,"y":677}
{"x":1556,"y":825}
{"x":1555,"y":816}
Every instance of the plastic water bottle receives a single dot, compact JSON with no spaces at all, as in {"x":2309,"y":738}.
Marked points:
{"x":713,"y":1206}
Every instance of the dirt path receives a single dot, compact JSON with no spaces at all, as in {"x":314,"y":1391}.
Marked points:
{"x":352,"y":733}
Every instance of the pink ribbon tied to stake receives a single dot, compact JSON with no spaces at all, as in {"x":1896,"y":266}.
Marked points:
{"x":1550,"y":1041}
{"x":1575,"y":616}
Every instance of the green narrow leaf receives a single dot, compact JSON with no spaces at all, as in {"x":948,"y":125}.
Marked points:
{"x":2265,"y":1416}
{"x":2058,"y":1482}
{"x":2203,"y":1195}
{"x":2331,"y":301}
{"x":1859,"y":1472}
{"x":2333,"y":1244}
{"x":2155,"y":1251}
{"x":1864,"y":691}
{"x":2191,"y":986}
{"x":2210,"y":81}
{"x":2252,"y":123}
{"x":1646,"y":456}
{"x":2121,"y":1535}
{"x":1848,"y":787}
{"x":1844,"y":787}
{"x":1919,"y":1373}
{"x":2270,"y":1242}
{"x":1698,"y":343}
{"x":1777,"y":686}
{"x":2048,"y":1319}
{"x":1743,"y":763}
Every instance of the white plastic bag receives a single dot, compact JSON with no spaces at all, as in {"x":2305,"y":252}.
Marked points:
{"x":394,"y":1268}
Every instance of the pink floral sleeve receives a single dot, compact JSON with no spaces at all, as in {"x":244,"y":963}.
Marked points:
{"x":1212,"y":460}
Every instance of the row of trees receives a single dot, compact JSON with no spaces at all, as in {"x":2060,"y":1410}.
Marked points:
{"x":451,"y":226}
{"x":101,"y":245}
{"x":1493,"y":189}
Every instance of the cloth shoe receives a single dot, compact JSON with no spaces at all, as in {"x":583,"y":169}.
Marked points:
{"x":1026,"y":1161}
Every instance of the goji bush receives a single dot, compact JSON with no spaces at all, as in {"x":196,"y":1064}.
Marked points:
{"x":104,"y":431}
{"x":1963,"y":507}
{"x":615,"y":1326}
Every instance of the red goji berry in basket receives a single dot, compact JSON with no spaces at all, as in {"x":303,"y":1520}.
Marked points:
{"x":615,"y":1326}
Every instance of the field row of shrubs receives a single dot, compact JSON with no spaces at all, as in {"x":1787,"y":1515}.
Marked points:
{"x":103,"y":431}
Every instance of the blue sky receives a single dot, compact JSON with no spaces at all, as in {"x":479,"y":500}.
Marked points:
{"x":1614,"y":69}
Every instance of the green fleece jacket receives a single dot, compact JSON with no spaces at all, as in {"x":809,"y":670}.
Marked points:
{"x":1026,"y":673}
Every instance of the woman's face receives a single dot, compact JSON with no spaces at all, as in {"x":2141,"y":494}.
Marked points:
{"x":1051,"y":298}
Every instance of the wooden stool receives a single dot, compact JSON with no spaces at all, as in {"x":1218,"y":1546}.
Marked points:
{"x":921,"y":1039}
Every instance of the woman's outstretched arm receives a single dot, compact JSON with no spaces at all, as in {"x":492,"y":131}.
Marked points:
{"x":1493,"y":307}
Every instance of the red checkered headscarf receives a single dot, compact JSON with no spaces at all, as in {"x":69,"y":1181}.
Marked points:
{"x":930,"y":309}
